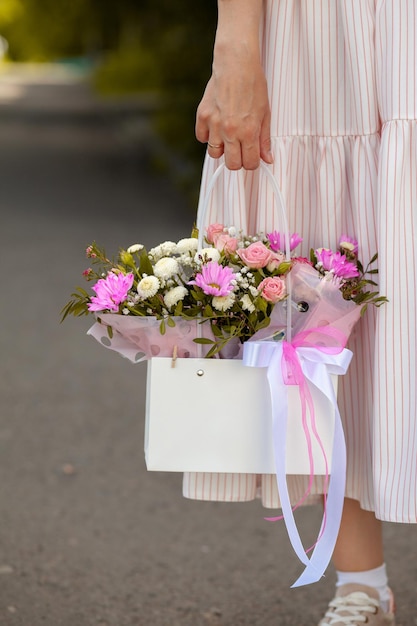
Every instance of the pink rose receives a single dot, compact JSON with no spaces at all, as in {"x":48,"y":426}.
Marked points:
{"x":213,"y":231}
{"x":276,"y":259}
{"x":273,"y":289}
{"x":256,"y":255}
{"x":225,"y":243}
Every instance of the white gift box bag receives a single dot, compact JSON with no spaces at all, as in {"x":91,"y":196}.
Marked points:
{"x":214,"y":415}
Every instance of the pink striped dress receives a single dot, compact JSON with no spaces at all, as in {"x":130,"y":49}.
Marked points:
{"x":342,"y":76}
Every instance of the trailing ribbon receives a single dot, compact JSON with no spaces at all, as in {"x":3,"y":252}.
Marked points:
{"x":307,"y":359}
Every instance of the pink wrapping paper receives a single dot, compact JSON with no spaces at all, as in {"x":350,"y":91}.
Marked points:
{"x":139,"y":338}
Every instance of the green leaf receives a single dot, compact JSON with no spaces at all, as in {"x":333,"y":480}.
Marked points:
{"x":110,"y":332}
{"x":145,"y":266}
{"x":178,"y":308}
{"x":203,"y":340}
{"x":313,"y":258}
{"x":284,"y":267}
{"x":171,"y":322}
{"x":208,"y":311}
{"x":162,"y":327}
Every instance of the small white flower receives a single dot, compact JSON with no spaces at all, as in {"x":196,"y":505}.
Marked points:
{"x":187,"y":245}
{"x":186,"y":260}
{"x":232,"y":231}
{"x":247,"y":303}
{"x":148,"y":287}
{"x":168,"y":248}
{"x":173,"y":296}
{"x":156,"y":253}
{"x":209,"y":254}
{"x":125,"y":311}
{"x":253,"y":291}
{"x":135,"y":248}
{"x":166,"y":267}
{"x":223,"y":303}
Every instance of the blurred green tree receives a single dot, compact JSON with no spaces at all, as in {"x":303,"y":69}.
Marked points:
{"x":135,"y":45}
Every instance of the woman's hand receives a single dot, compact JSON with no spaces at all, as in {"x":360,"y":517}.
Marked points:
{"x":234,"y":116}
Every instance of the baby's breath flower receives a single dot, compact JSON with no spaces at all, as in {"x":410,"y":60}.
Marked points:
{"x":254,"y":292}
{"x":125,"y":311}
{"x":186,"y":260}
{"x":223,"y":303}
{"x":148,"y":287}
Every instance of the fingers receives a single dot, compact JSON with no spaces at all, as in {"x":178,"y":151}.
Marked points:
{"x":243,"y":140}
{"x":265,"y":139}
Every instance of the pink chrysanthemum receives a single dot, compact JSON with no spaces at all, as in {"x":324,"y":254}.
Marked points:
{"x":277,"y":241}
{"x":214,"y":279}
{"x":348,"y":243}
{"x":110,"y":292}
{"x":337,"y":263}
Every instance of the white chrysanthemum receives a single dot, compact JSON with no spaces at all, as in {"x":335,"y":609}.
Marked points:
{"x":148,"y":287}
{"x":208,"y":254}
{"x":247,"y":303}
{"x":223,"y":303}
{"x":135,"y":248}
{"x":232,"y":231}
{"x":156,"y":253}
{"x":174,"y":295}
{"x":166,"y":267}
{"x":187,"y":245}
{"x":168,"y":248}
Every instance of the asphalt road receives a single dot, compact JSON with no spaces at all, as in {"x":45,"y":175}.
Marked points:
{"x":88,"y":537}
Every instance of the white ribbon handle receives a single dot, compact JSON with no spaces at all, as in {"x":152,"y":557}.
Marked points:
{"x":282,"y":220}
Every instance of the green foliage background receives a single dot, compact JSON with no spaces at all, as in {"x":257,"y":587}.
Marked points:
{"x":134,"y":46}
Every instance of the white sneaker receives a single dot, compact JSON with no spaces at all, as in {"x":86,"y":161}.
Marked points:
{"x":354,"y":605}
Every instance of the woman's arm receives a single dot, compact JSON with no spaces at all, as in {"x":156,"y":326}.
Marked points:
{"x":234,"y":111}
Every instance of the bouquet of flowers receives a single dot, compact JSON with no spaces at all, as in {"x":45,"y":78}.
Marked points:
{"x":232,"y":289}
